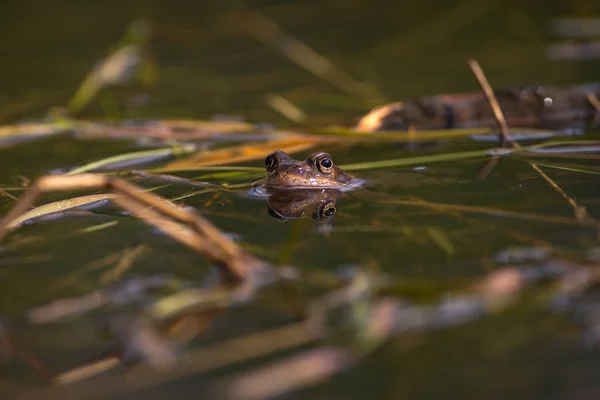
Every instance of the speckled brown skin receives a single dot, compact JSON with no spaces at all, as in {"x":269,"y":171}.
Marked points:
{"x":318,"y":205}
{"x":285,"y":173}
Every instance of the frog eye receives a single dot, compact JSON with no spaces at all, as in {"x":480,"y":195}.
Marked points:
{"x":325,"y":164}
{"x":270,"y":162}
{"x":328,"y":211}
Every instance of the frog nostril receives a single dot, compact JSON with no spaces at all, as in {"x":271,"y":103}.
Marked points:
{"x":270,"y":162}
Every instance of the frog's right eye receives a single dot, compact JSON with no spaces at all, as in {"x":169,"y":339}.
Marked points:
{"x":324,"y":163}
{"x":270,"y":162}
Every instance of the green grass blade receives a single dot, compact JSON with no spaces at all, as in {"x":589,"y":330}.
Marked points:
{"x":58,"y":206}
{"x":401,"y":162}
{"x":138,"y":157}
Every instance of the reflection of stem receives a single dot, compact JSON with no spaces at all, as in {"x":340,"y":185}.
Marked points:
{"x":290,"y":293}
{"x":488,"y":167}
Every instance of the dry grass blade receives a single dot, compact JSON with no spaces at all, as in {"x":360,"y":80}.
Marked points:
{"x":111,"y":70}
{"x":87,"y":371}
{"x":489,"y":94}
{"x":166,"y":129}
{"x":190,"y":125}
{"x":566,"y":147}
{"x":175,"y":179}
{"x":293,"y":373}
{"x":10,"y":134}
{"x":115,"y":68}
{"x":441,"y":240}
{"x":498,"y":115}
{"x":581,"y":213}
{"x":245,"y":152}
{"x":285,"y":107}
{"x":583,"y":169}
{"x":28,"y":199}
{"x":125,"y":263}
{"x":66,"y":308}
{"x":487,"y":211}
{"x":3,"y":192}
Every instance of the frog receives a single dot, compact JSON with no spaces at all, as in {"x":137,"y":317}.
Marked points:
{"x":317,"y":171}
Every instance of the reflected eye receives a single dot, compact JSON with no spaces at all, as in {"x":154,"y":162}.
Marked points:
{"x":270,"y":162}
{"x":328,"y":211}
{"x":325,"y":165}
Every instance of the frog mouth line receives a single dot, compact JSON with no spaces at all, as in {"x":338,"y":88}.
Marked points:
{"x":260,"y":190}
{"x":345,"y":187}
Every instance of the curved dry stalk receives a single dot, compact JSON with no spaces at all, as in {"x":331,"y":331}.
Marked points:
{"x":184,"y":226}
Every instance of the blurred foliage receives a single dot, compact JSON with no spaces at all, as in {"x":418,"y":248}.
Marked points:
{"x":208,"y":64}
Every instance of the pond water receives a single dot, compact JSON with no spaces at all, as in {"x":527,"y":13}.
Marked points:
{"x":430,"y":228}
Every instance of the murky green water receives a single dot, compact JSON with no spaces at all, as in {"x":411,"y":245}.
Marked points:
{"x":206,"y":67}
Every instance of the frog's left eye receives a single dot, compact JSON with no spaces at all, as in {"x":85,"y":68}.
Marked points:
{"x":328,"y":211}
{"x":325,"y":164}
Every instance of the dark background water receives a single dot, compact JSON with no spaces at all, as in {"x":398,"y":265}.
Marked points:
{"x":207,"y":65}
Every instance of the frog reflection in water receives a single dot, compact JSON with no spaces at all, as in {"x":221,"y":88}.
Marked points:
{"x":303,"y":189}
{"x":318,"y":205}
